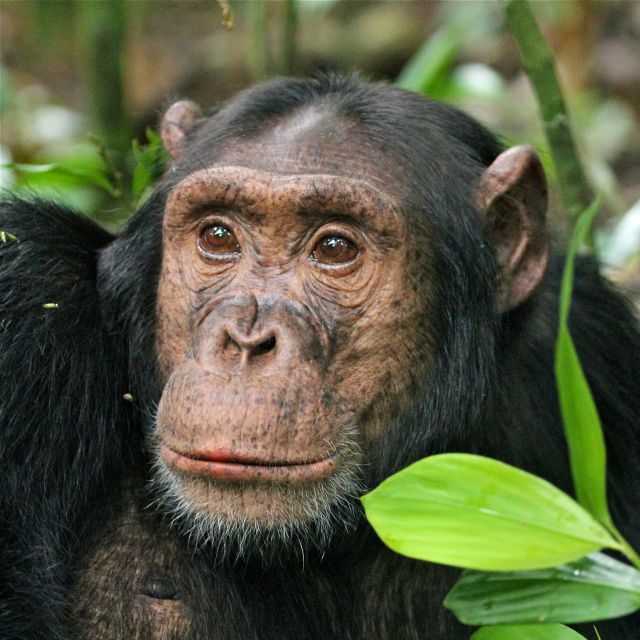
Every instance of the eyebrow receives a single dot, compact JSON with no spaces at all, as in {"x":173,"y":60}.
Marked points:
{"x":256,"y":192}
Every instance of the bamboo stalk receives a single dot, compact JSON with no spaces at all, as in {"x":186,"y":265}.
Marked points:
{"x":539,"y":63}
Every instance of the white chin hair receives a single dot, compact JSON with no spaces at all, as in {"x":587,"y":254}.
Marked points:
{"x":250,"y":520}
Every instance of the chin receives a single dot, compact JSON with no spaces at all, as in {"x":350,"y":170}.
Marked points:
{"x":258,"y":517}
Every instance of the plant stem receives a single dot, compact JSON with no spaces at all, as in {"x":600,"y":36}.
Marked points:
{"x":259,"y":53}
{"x":289,"y":44}
{"x":627,"y":549}
{"x":103,"y":25}
{"x":539,"y":64}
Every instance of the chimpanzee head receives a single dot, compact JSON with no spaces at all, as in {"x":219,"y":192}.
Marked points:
{"x":320,"y":276}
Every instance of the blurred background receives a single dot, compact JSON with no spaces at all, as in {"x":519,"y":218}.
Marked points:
{"x":83,"y":83}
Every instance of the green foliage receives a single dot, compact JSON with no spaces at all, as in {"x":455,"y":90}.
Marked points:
{"x":470,"y":511}
{"x":150,"y":161}
{"x":55,"y":172}
{"x":583,"y":430}
{"x":527,"y":632}
{"x":479,"y":513}
{"x":537,"y":59}
{"x":593,"y":588}
{"x":96,"y":172}
{"x":6,"y":237}
{"x":428,"y":71}
{"x":580,"y":416}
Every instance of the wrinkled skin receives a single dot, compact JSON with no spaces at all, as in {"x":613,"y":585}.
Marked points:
{"x":280,"y":361}
{"x":274,"y":355}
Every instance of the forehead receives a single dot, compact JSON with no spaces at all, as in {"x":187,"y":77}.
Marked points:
{"x":313,"y":141}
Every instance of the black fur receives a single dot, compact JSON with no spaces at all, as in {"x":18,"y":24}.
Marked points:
{"x":71,"y":447}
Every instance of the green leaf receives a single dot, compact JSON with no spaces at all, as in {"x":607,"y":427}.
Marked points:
{"x":581,"y":229}
{"x":6,"y":237}
{"x":429,"y":68}
{"x":150,"y":161}
{"x":91,"y":176}
{"x":579,"y":414}
{"x":29,"y":168}
{"x":470,"y":511}
{"x":593,"y":588}
{"x":141,"y":173}
{"x":527,"y":632}
{"x":583,"y":430}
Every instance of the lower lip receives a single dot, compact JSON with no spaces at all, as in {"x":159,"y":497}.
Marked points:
{"x":239,"y":471}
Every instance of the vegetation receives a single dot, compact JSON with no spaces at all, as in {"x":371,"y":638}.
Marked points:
{"x":533,"y":553}
{"x":480,"y":514}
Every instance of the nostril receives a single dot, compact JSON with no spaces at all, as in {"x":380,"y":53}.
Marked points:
{"x":264,"y":347}
{"x":230,"y":349}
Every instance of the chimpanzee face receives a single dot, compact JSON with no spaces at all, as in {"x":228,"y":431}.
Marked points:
{"x":288,"y":321}
{"x":297,"y":311}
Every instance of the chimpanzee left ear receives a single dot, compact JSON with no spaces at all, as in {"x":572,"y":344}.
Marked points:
{"x":512,"y":198}
{"x":180,"y":119}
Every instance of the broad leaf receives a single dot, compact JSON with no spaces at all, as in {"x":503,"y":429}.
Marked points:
{"x":474,"y":512}
{"x":527,"y":632}
{"x":579,"y":414}
{"x":593,"y":588}
{"x":90,"y":175}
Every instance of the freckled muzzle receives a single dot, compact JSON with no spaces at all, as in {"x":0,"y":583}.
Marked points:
{"x":254,"y":402}
{"x":241,"y":335}
{"x":256,"y":387}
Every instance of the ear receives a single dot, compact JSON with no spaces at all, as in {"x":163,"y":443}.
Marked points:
{"x":512,"y":198}
{"x":180,"y":119}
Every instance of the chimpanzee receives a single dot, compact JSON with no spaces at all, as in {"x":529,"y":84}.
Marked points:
{"x":333,"y":279}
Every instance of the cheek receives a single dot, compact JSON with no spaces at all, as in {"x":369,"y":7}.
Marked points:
{"x":387,"y":351}
{"x":173,"y":310}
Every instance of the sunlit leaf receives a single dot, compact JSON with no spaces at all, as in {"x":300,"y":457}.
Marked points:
{"x":579,"y":414}
{"x":474,"y":512}
{"x":593,"y":588}
{"x":527,"y":632}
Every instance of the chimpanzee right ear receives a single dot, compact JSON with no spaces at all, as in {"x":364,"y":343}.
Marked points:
{"x":180,"y":119}
{"x":512,"y":199}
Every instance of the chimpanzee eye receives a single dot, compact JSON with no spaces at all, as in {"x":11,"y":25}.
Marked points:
{"x":334,"y":250}
{"x":218,"y":242}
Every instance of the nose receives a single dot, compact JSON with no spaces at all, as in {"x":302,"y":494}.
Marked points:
{"x":256,"y":347}
{"x":240,"y":334}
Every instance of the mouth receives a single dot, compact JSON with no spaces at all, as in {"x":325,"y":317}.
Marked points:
{"x":229,"y":466}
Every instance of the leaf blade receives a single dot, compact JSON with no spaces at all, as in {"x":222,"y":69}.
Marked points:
{"x":527,"y":632}
{"x":474,"y":512}
{"x":597,"y":587}
{"x":580,"y":417}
